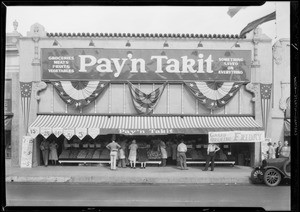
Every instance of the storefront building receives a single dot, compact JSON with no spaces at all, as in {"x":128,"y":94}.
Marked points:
{"x":93,"y":87}
{"x":282,"y":87}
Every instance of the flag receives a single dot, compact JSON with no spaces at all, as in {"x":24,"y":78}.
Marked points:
{"x":254,"y":24}
{"x":265,"y":93}
{"x":145,"y":103}
{"x":26,"y":88}
{"x":213,"y":95}
{"x":79,"y":93}
{"x":234,"y":10}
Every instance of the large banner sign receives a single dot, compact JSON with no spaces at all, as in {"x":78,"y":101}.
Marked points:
{"x":236,"y":136}
{"x":145,"y":64}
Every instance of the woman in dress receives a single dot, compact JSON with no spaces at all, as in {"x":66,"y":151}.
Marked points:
{"x":53,"y":152}
{"x":271,"y":151}
{"x":164,"y":155}
{"x":142,"y":155}
{"x":132,"y":153}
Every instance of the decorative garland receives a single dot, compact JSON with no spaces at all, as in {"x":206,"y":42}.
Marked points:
{"x":145,"y":103}
{"x":79,"y":93}
{"x":213,"y":95}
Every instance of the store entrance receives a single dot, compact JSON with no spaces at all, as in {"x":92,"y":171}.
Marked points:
{"x":94,"y":151}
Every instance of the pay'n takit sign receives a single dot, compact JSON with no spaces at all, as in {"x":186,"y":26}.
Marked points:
{"x":145,"y":64}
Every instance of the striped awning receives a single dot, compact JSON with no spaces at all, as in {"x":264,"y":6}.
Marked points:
{"x":93,"y":125}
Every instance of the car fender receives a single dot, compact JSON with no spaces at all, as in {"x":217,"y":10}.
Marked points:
{"x":277,"y":169}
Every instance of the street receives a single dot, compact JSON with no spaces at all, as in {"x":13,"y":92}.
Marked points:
{"x":161,"y":195}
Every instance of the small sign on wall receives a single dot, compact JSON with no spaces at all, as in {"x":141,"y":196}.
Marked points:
{"x":26,"y":155}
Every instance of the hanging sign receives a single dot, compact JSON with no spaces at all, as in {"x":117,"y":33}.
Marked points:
{"x":145,"y":64}
{"x":46,"y":131}
{"x":57,"y":131}
{"x":236,"y":136}
{"x":68,"y":133}
{"x":26,"y":155}
{"x":81,"y":132}
{"x":34,"y":131}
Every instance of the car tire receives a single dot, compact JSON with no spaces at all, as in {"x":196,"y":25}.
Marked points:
{"x":272,"y":177}
{"x":257,"y":176}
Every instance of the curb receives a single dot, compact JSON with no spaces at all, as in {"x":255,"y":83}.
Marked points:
{"x":130,"y":180}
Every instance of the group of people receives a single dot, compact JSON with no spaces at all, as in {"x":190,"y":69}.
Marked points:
{"x":49,"y":152}
{"x":117,"y":152}
{"x":281,"y":151}
{"x":210,"y":158}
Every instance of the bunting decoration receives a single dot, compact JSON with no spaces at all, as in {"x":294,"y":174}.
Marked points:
{"x":145,"y":103}
{"x":26,"y":88}
{"x":213,"y":95}
{"x":265,"y":94}
{"x":79,"y":93}
{"x":256,"y":23}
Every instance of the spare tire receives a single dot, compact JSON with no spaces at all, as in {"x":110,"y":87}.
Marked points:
{"x":257,"y":176}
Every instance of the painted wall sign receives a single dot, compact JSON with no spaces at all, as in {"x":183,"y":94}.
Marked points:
{"x":145,"y":64}
{"x":236,"y":137}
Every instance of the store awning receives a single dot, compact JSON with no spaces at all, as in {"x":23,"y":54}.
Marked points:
{"x":287,"y":127}
{"x":8,"y":120}
{"x":93,"y":125}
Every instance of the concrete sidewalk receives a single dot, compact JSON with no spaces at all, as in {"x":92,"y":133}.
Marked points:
{"x":150,"y":175}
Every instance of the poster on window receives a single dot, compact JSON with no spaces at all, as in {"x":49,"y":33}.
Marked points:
{"x":26,"y":155}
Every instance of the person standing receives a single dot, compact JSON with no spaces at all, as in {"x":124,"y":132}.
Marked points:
{"x":53,"y":152}
{"x":164,"y":154}
{"x":271,"y":151}
{"x":122,"y":162}
{"x":45,"y":151}
{"x":132,"y":153}
{"x":181,"y":149}
{"x":211,"y":154}
{"x":113,"y":147}
{"x":174,"y":152}
{"x":142,"y":155}
{"x":278,"y":149}
{"x":285,"y":150}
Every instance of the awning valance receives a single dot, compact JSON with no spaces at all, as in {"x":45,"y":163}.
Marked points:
{"x":93,"y":125}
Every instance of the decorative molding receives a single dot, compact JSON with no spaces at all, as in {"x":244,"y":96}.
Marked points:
{"x":256,"y":38}
{"x":37,"y":31}
{"x":39,"y":86}
{"x":254,"y":89}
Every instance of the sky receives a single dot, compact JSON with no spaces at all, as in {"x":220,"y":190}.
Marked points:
{"x":149,"y":19}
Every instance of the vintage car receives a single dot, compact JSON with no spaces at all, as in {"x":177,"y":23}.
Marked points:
{"x":272,"y":171}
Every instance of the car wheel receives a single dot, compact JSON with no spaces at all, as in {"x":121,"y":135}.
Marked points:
{"x":257,"y":176}
{"x":272,"y":177}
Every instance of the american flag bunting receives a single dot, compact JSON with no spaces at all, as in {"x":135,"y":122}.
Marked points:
{"x":145,"y":103}
{"x":26,"y":88}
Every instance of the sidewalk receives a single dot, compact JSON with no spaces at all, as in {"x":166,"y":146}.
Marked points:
{"x":150,"y":175}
